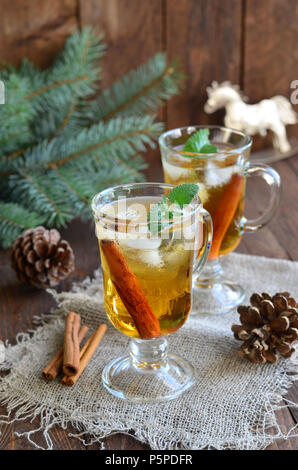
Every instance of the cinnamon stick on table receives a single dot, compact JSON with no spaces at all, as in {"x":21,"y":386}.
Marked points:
{"x":129,"y":291}
{"x":51,"y":371}
{"x":86,"y":353}
{"x":71,"y":346}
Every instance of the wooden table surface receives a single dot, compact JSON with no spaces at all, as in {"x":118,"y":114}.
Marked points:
{"x":19,"y":303}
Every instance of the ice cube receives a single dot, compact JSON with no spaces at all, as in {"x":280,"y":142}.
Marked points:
{"x":176,"y":172}
{"x":151,"y":257}
{"x":142,"y":243}
{"x":128,"y":214}
{"x":217,"y":176}
{"x":203,"y":192}
{"x":175,"y":259}
{"x":121,"y":211}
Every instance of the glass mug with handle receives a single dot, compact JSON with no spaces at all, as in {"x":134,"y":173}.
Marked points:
{"x":147,"y":277}
{"x":221,"y":177}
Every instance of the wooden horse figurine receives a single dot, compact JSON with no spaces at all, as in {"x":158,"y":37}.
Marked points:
{"x":270,"y":114}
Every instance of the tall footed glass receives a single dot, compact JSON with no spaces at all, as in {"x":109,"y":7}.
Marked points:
{"x":147,"y":274}
{"x":221,"y":177}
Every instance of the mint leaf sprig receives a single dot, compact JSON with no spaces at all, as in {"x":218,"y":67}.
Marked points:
{"x":183,"y":194}
{"x":199,"y":143}
{"x":162,"y":213}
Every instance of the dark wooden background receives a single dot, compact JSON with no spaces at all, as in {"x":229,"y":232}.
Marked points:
{"x":250,"y":42}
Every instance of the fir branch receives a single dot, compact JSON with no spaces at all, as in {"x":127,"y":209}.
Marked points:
{"x":76,"y":101}
{"x":77,"y":63}
{"x":59,"y":147}
{"x":138,"y":92}
{"x":14,"y":219}
{"x":78,"y":201}
{"x":50,"y":86}
{"x":131,"y":168}
{"x":49,"y":96}
{"x":15,"y":115}
{"x":119,"y":137}
{"x":133,"y":140}
{"x":76,"y":72}
{"x":95,"y":177}
{"x":41,"y":192}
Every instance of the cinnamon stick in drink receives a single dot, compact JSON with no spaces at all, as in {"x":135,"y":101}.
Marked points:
{"x":51,"y":371}
{"x":86,"y":353}
{"x":225,"y":212}
{"x":129,"y":291}
{"x":71,"y":346}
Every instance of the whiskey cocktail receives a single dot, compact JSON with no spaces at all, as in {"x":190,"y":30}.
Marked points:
{"x":148,"y":248}
{"x":220,"y":172}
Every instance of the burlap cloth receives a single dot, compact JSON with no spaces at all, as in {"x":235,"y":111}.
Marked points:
{"x":232,"y":405}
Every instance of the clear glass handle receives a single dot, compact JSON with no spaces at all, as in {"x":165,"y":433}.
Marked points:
{"x":272,"y":178}
{"x":200,"y":262}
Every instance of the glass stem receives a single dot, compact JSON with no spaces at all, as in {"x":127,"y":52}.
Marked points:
{"x":149,"y":354}
{"x":211,"y":274}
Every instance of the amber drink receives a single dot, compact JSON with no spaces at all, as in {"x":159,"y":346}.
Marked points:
{"x":221,"y":177}
{"x":147,"y":270}
{"x":163,"y":270}
{"x":221,"y":190}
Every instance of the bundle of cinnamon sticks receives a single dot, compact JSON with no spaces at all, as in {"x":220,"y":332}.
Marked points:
{"x":70,"y":359}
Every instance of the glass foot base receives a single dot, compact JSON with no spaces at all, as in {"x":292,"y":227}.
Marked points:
{"x":216,"y":299}
{"x":148,"y":382}
{"x":212,"y":293}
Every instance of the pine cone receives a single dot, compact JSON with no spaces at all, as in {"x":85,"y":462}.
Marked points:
{"x":41,"y":258}
{"x":269,"y":326}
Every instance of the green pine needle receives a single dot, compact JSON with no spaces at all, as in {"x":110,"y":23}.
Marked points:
{"x":59,"y":145}
{"x":140,"y":91}
{"x":14,"y":219}
{"x":118,"y":139}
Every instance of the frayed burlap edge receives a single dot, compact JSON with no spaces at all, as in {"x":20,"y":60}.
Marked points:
{"x":92,"y":430}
